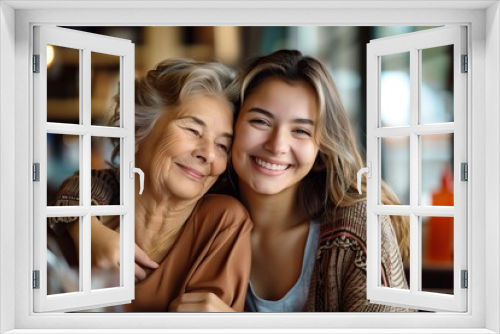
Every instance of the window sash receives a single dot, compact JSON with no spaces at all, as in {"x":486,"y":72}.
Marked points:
{"x":413,"y":42}
{"x":86,"y":43}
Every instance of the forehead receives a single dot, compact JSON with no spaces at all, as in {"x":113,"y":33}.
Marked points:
{"x":280,"y":96}
{"x":214,"y":111}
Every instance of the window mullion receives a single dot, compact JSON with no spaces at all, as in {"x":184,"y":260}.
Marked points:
{"x":81,"y":170}
{"x":85,"y":179}
{"x":415,"y":277}
{"x":127,"y":154}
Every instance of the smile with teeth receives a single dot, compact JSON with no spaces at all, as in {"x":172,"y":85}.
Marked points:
{"x":270,"y":166}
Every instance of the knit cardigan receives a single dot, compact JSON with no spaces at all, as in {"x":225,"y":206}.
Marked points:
{"x":338,"y":282}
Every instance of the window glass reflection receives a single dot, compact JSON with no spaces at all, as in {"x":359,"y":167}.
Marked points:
{"x":437,"y":169}
{"x":436,"y":95}
{"x":395,"y":89}
{"x":396,"y":166}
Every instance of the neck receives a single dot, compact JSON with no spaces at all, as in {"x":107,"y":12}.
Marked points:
{"x":273,"y":213}
{"x":158,"y":220}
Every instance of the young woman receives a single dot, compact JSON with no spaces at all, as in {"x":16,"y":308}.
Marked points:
{"x":186,"y":242}
{"x":296,"y":162}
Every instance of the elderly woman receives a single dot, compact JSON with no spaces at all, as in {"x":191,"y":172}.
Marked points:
{"x":185,"y":242}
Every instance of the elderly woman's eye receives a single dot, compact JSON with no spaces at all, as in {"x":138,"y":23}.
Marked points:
{"x":194,"y":131}
{"x":223,"y":147}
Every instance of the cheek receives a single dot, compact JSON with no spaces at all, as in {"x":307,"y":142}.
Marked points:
{"x":168,"y":145}
{"x":161,"y":157}
{"x":246,"y":140}
{"x":235,"y":149}
{"x":309,"y":154}
{"x":240,"y":137}
{"x":166,"y":148}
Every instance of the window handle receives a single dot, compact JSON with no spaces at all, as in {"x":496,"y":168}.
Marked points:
{"x":368,"y":171}
{"x":133,"y":170}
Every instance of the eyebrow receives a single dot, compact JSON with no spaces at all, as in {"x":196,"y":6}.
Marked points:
{"x":270,"y":115}
{"x":199,"y":121}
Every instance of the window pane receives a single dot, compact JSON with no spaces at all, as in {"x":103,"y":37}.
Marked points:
{"x":102,"y":158}
{"x":437,"y":249}
{"x":63,"y":160}
{"x":396,"y":166}
{"x":437,"y":169}
{"x":106,"y":274}
{"x":396,"y":222}
{"x":62,"y":260}
{"x":63,"y":87}
{"x":105,"y":76}
{"x":437,"y":85}
{"x":395,"y":89}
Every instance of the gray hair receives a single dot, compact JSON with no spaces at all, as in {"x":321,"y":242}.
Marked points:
{"x":168,"y":85}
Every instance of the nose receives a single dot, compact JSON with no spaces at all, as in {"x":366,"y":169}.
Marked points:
{"x":277,"y":143}
{"x":205,"y":151}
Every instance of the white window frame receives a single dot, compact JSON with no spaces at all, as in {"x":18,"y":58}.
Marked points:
{"x":86,"y":43}
{"x":483,"y":21}
{"x":413,"y":44}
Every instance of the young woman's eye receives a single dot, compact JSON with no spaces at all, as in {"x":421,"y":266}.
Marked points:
{"x":259,"y":121}
{"x":303,"y":132}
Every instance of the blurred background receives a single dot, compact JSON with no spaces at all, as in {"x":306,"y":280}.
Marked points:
{"x":341,"y":49}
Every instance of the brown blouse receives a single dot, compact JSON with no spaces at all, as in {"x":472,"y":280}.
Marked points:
{"x":211,"y":254}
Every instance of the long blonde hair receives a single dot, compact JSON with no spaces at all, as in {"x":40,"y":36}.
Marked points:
{"x":335,"y":185}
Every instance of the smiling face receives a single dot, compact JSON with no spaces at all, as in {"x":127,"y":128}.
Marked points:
{"x":275,"y":146}
{"x":188,"y":147}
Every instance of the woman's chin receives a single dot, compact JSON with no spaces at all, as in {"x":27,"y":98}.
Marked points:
{"x":181,"y":192}
{"x":266,"y":190}
{"x":187,"y":194}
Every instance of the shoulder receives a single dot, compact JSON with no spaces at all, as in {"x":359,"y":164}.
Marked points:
{"x":346,"y":221}
{"x":222,"y":208}
{"x":219,"y":202}
{"x":351,"y":221}
{"x":100,"y":178}
{"x":355,"y":212}
{"x":108,"y":175}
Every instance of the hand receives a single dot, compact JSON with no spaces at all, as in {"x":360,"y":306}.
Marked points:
{"x":143,"y":264}
{"x":105,"y":246}
{"x":199,"y":302}
{"x":105,"y":250}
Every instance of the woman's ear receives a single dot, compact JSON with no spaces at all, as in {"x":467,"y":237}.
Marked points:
{"x":319,"y":163}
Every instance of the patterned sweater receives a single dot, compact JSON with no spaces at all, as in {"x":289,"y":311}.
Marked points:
{"x":338,"y":282}
{"x":105,"y":190}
